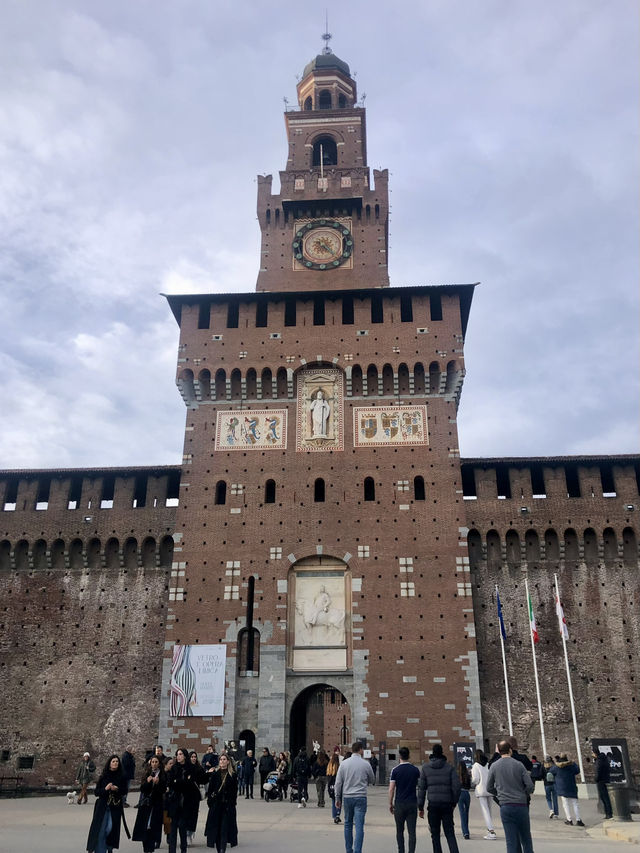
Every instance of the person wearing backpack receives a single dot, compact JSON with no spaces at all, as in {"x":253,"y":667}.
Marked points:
{"x":550,"y":788}
{"x":537,"y":770}
{"x":301,"y":771}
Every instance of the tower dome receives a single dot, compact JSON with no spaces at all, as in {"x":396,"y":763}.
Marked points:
{"x":326,"y":84}
{"x":324,"y":61}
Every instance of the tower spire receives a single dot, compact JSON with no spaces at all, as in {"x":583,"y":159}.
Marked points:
{"x":326,"y":35}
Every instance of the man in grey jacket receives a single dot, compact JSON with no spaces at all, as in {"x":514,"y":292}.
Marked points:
{"x":354,"y":774}
{"x":512,"y":785}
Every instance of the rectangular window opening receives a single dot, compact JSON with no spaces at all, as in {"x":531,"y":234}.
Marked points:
{"x":538,"y":488}
{"x":502,"y":482}
{"x":406,"y":309}
{"x":75,"y":493}
{"x":608,"y":484}
{"x":204,"y":315}
{"x":290,"y":312}
{"x":377,"y":314}
{"x":262,"y":314}
{"x":347,"y":310}
{"x":232,"y":315}
{"x":573,"y":483}
{"x":435,"y":306}
{"x":318,"y":311}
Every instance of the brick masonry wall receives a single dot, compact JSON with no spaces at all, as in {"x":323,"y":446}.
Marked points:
{"x":81,"y":631}
{"x":600,"y":590}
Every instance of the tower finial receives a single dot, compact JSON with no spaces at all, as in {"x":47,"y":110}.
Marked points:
{"x":326,"y":36}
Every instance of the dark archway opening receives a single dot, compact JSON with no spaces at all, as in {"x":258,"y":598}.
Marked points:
{"x":247,"y":740}
{"x":320,"y":713}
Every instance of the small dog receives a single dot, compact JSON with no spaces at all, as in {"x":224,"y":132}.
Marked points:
{"x":72,"y":797}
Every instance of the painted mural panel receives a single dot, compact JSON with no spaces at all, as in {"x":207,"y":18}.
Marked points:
{"x":381,"y":426}
{"x":252,"y":429}
{"x":320,"y":424}
{"x":197,"y":681}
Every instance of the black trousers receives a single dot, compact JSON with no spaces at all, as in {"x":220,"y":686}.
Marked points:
{"x":605,"y":799}
{"x":441,"y":815}
{"x":405,"y":813}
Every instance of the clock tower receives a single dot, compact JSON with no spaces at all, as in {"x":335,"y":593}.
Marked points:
{"x":327,"y":228}
{"x":320,"y":565}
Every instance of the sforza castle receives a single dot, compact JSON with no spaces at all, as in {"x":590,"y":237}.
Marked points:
{"x":322,"y":564}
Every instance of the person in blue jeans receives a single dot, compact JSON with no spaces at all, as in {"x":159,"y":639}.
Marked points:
{"x":403,"y":801}
{"x":353,"y":777}
{"x":464,"y":800}
{"x":550,"y":787}
{"x":512,"y":785}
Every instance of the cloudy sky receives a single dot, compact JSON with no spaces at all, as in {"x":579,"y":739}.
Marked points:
{"x":131,"y":132}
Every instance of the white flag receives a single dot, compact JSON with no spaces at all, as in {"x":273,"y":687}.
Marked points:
{"x":562,"y":622}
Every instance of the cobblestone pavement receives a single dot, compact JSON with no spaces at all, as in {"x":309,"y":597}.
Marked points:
{"x":48,"y":824}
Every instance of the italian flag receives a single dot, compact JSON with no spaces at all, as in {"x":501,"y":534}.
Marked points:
{"x":532,"y":621}
{"x":562,"y":622}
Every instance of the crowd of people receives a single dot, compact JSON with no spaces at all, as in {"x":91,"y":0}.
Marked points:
{"x":507,"y":778}
{"x":173,"y":787}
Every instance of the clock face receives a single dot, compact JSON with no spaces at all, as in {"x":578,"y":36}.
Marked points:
{"x":322,"y":244}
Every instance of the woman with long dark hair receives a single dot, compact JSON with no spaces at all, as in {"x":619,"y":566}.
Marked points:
{"x":148,"y":825}
{"x":282,"y":769}
{"x":193,"y":794}
{"x":222,"y":828}
{"x":464,"y":800}
{"x":104,"y":832}
{"x":182,"y":794}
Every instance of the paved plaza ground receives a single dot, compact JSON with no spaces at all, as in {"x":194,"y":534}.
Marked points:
{"x":49,"y":825}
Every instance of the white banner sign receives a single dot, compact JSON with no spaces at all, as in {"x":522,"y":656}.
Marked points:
{"x":197,"y":681}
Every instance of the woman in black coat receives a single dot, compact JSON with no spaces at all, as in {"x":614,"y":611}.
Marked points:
{"x":104,"y":832}
{"x":200,"y":778}
{"x":183,"y":799}
{"x":222,"y":828}
{"x":148,"y":825}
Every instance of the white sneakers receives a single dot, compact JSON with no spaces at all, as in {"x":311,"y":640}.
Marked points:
{"x":491,"y":836}
{"x":304,"y":803}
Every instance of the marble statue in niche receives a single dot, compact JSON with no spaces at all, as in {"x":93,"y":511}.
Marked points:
{"x":320,"y":411}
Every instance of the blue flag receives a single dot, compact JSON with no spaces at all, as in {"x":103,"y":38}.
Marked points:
{"x":500,"y":619}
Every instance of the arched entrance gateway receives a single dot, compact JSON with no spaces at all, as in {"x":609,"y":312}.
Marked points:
{"x":320,"y":713}
{"x":319,"y":659}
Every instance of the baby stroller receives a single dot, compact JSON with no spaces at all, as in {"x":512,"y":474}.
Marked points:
{"x":294,"y":795}
{"x":270,"y":788}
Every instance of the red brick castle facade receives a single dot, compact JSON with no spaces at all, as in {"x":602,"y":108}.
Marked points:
{"x":322,"y":526}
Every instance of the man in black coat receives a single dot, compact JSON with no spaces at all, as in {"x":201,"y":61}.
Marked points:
{"x":603,"y":777}
{"x":441,"y":784}
{"x":248,"y":769}
{"x":128,"y":763}
{"x":266,"y":765}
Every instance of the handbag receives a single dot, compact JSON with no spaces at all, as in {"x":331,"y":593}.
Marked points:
{"x":211,"y":799}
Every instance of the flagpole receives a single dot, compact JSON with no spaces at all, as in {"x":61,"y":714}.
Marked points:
{"x":566,"y":663}
{"x":535,"y":669}
{"x":504,"y":664}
